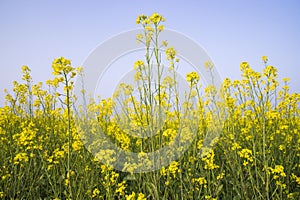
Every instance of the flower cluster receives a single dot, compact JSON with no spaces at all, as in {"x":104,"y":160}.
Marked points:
{"x":192,"y":78}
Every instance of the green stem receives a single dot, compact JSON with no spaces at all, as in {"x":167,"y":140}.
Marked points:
{"x":69,"y":134}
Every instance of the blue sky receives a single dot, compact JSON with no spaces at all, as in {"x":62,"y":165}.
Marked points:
{"x":35,"y":32}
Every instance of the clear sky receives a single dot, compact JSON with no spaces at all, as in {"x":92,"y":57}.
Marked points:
{"x":35,"y":32}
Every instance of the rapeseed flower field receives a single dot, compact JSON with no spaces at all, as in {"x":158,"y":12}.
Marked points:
{"x":51,"y":148}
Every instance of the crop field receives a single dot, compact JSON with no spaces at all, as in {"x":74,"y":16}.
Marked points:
{"x":237,"y":141}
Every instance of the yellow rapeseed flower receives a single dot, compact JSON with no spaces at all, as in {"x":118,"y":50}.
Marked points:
{"x":170,"y":53}
{"x":192,"y":78}
{"x":209,"y":160}
{"x":155,"y":18}
{"x":141,"y":196}
{"x":295,"y":178}
{"x":95,"y":193}
{"x":247,"y":155}
{"x":20,"y":157}
{"x":140,"y":19}
{"x":209,"y":65}
{"x":173,"y":168}
{"x":277,"y":171}
{"x":130,"y":196}
{"x":160,"y":28}
{"x":138,"y":64}
{"x":121,"y":188}
{"x":200,"y":180}
{"x":264,"y":59}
